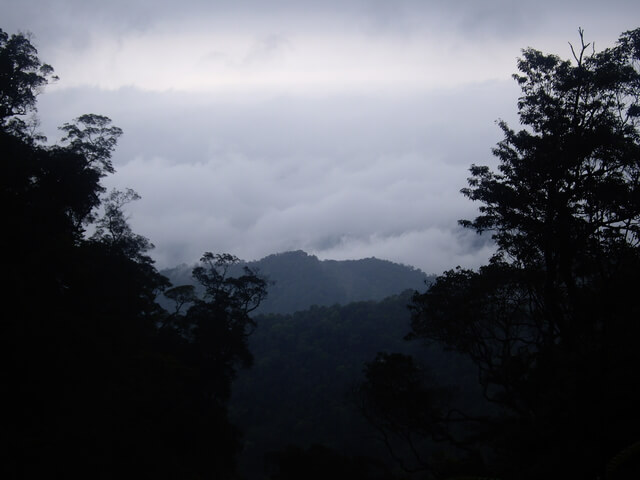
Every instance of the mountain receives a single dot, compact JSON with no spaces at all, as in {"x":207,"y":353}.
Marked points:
{"x":299,"y":280}
{"x":321,"y":322}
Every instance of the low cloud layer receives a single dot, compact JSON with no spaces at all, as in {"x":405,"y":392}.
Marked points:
{"x":341,"y":177}
{"x":342,"y":128}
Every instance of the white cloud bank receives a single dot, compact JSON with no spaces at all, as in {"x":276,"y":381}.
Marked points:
{"x":342,"y":128}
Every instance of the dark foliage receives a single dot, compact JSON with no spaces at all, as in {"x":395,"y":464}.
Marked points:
{"x":22,"y":76}
{"x":216,"y":328}
{"x":99,"y":381}
{"x":318,"y":462}
{"x":550,"y":323}
{"x":300,"y":391}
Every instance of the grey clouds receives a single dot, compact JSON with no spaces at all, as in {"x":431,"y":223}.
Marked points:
{"x":341,"y":128}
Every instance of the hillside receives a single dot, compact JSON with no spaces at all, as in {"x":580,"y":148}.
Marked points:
{"x":299,"y":280}
{"x":300,"y":389}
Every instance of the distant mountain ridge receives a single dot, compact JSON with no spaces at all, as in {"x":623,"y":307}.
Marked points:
{"x":299,"y":280}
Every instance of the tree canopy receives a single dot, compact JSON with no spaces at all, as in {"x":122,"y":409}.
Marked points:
{"x":22,"y":76}
{"x":550,"y":322}
{"x":101,"y":381}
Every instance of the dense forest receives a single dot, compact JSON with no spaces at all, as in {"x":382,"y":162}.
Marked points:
{"x":524,"y":368}
{"x":302,"y":388}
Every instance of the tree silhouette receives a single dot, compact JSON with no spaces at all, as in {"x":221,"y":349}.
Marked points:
{"x":99,"y":380}
{"x":94,"y":137}
{"x":549,"y":322}
{"x":22,"y":77}
{"x":217,"y":327}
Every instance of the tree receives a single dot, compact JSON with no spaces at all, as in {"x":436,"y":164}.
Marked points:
{"x":95,"y":386}
{"x":209,"y":341}
{"x":550,"y":321}
{"x":240,"y":295}
{"x":22,"y":76}
{"x":398,"y":401}
{"x":113,"y":229}
{"x":95,"y":138}
{"x":181,"y":295}
{"x":78,"y":331}
{"x":217,"y":326}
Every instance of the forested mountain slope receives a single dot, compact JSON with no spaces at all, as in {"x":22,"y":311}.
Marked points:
{"x":299,"y":280}
{"x":301,"y":389}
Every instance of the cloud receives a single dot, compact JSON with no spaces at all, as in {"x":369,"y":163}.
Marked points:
{"x":59,"y":20}
{"x":344,"y":175}
{"x":267,"y":49}
{"x":342,"y":128}
{"x":245,"y":207}
{"x":299,"y":46}
{"x":432,"y":249}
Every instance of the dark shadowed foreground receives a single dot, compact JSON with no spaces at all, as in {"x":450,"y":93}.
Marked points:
{"x":101,"y":382}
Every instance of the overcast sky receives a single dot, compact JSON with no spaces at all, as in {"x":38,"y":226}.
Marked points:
{"x":343,"y":128}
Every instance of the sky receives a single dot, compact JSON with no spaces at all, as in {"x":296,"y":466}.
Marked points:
{"x":342,"y":128}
